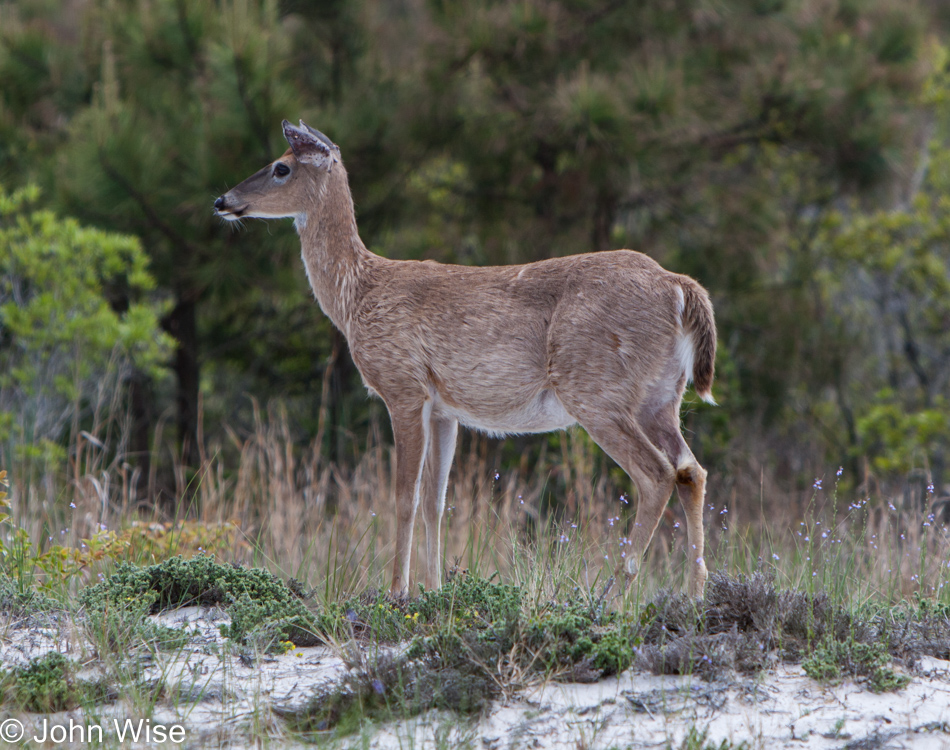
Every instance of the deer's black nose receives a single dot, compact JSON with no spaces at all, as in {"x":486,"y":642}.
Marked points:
{"x":219,"y":204}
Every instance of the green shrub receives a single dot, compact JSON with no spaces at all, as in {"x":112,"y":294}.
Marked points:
{"x":834,"y":660}
{"x":60,"y":329}
{"x":259,"y":603}
{"x":49,"y":684}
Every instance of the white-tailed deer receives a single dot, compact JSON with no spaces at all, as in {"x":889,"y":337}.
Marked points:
{"x":606,"y":340}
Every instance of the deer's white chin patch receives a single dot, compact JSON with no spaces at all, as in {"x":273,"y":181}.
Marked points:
{"x":234,"y":214}
{"x":231,"y":214}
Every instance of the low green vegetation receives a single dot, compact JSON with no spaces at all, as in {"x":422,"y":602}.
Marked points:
{"x":833,"y":660}
{"x":15,"y":600}
{"x":698,"y":739}
{"x":263,"y":609}
{"x":49,"y":683}
{"x":476,"y":640}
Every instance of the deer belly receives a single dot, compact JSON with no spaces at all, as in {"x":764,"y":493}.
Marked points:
{"x":542,"y":413}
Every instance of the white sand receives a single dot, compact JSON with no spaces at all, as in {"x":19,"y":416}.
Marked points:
{"x":223,"y":700}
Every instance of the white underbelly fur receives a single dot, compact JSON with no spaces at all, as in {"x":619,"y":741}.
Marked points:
{"x":545,"y":413}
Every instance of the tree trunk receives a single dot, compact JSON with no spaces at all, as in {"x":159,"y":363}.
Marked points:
{"x":140,"y":413}
{"x":139,"y":389}
{"x":181,"y":323}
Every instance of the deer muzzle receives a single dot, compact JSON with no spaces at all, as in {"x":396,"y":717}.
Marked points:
{"x":226,"y":211}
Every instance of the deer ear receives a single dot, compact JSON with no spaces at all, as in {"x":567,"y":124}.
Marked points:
{"x":306,"y":147}
{"x":317,"y":134}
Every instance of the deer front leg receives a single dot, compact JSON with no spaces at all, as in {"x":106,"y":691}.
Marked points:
{"x":411,"y":433}
{"x":435,"y":482}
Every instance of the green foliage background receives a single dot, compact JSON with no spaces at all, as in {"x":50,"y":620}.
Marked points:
{"x":791,"y":155}
{"x":62,"y":341}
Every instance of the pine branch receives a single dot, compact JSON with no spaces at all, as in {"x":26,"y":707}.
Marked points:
{"x":151,"y":214}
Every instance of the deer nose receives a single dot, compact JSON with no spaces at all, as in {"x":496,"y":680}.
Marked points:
{"x":219,"y":204}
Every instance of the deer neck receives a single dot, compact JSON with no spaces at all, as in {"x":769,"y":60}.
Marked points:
{"x":334,"y":256}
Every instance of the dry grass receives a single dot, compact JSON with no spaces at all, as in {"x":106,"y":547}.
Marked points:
{"x":268,"y":502}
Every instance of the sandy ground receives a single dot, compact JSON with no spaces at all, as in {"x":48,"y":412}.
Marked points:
{"x":221,"y":699}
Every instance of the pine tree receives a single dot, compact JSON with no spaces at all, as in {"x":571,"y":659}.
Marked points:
{"x":186,"y":98}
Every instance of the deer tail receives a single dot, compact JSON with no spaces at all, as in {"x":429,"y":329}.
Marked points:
{"x":699,"y":325}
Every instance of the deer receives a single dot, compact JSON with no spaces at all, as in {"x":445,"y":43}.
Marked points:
{"x":604,"y":340}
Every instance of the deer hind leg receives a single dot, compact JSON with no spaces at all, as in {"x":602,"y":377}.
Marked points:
{"x":664,"y":431}
{"x":435,"y":481}
{"x":691,"y":488}
{"x":649,"y":469}
{"x":411,"y":433}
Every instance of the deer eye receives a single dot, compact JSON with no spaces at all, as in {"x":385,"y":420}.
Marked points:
{"x":281,"y":170}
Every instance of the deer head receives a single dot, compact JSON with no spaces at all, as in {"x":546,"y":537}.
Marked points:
{"x":291,"y":186}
